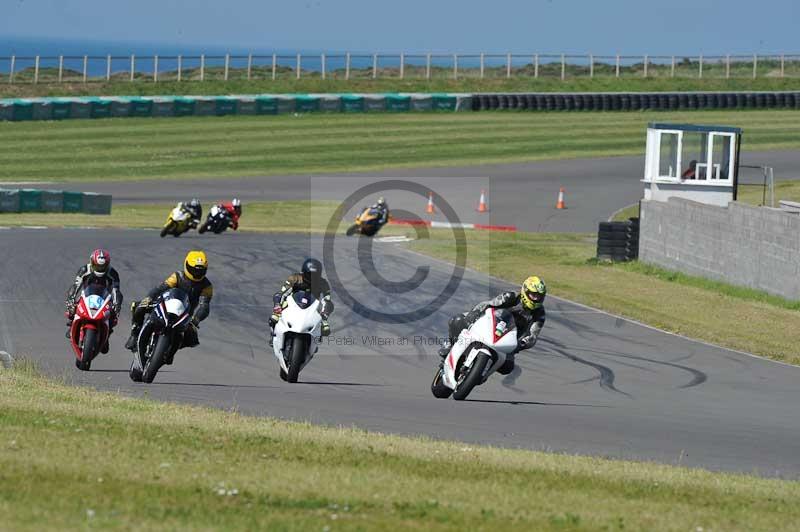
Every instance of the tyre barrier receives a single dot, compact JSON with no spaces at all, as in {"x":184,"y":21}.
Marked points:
{"x":618,"y":241}
{"x":635,"y":101}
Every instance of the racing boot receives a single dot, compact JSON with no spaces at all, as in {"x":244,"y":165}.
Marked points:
{"x":104,"y":349}
{"x":69,"y":317}
{"x":325,"y":329}
{"x":130,"y":344}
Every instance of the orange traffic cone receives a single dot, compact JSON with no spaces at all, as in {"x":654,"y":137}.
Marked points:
{"x":482,"y":205}
{"x":560,"y":203}
{"x":430,"y":209}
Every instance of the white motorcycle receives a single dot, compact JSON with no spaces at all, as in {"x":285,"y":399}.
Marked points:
{"x":477,"y":353}
{"x":297,"y":334}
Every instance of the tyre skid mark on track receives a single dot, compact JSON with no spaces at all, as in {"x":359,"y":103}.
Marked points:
{"x":606,"y":374}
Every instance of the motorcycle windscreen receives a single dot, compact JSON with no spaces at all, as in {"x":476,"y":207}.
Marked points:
{"x":303,"y":299}
{"x":94,"y":295}
{"x":503,"y":324}
{"x":175,"y":306}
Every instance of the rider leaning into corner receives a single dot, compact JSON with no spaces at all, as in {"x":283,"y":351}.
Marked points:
{"x":309,"y":280}
{"x":194,"y":282}
{"x":234,"y":209}
{"x":193,"y":209}
{"x":98,"y":271}
{"x":383,"y":208}
{"x":529,"y":317}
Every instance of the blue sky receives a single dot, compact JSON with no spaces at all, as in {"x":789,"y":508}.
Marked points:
{"x":601,"y":27}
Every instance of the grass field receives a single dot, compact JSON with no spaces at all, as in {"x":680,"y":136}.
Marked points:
{"x":442,"y":83}
{"x":166,"y":148}
{"x":758,"y":323}
{"x":74,"y":458}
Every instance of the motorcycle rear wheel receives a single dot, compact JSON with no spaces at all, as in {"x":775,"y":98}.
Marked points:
{"x":296,"y":357}
{"x":473,"y":378}
{"x":156,"y":360}
{"x":89,"y":350}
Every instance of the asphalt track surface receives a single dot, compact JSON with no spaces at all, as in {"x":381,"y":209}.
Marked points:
{"x":594,"y":384}
{"x":523,"y":194}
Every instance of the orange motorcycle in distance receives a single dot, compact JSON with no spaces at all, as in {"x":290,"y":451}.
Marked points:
{"x":367,"y":223}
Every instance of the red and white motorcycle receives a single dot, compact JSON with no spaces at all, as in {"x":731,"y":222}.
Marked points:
{"x":477,"y":353}
{"x":91,"y":325}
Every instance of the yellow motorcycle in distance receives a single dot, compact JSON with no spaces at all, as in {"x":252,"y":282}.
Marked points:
{"x":367,"y":223}
{"x":178,"y":222}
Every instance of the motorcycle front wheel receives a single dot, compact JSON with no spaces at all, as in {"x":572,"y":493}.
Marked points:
{"x":439,"y":390}
{"x":89,"y":350}
{"x":472,"y":379}
{"x":167,"y":228}
{"x":297,"y":356}
{"x":156,"y":360}
{"x":352,"y":230}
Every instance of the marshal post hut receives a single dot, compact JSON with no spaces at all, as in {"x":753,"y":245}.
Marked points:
{"x":699,"y":163}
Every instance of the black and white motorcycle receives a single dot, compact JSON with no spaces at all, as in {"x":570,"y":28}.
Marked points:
{"x":161,"y":335}
{"x":477,"y":353}
{"x":297,"y":334}
{"x":217,"y":221}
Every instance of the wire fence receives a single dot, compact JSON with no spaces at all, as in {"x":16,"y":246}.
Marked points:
{"x":347,"y":66}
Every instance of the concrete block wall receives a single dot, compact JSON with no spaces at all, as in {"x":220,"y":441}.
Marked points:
{"x":755,"y":247}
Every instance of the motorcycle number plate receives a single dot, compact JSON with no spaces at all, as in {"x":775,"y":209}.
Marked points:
{"x":94,"y":302}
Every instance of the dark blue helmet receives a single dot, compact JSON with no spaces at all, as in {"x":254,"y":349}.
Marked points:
{"x":312,"y":271}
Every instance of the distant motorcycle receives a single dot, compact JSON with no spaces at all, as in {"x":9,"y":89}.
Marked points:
{"x":218,"y":221}
{"x":296,"y":334}
{"x":90,"y":326}
{"x":479,"y":351}
{"x":161,"y":335}
{"x":178,"y":222}
{"x":367,"y":223}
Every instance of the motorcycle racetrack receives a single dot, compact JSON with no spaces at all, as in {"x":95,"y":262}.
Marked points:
{"x":594,"y":384}
{"x":523,"y":195}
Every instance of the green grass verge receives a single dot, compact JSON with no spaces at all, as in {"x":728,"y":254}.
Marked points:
{"x":192,"y":147}
{"x":278,"y":216}
{"x":75,"y":458}
{"x":287,"y":84}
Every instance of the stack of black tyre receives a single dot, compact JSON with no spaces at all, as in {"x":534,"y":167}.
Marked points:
{"x":618,"y":241}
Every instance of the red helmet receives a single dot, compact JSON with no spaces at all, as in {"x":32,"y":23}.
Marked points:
{"x":100,"y":262}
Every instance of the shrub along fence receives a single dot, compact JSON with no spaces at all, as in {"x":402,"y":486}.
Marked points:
{"x":36,"y":200}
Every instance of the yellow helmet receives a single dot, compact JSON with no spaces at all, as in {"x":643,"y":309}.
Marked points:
{"x":195,"y":266}
{"x":532,"y":292}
